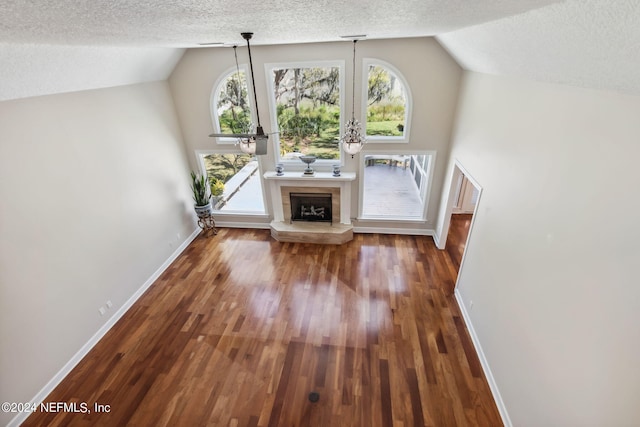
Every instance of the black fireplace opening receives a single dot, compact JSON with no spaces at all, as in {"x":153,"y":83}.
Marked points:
{"x":311,"y":207}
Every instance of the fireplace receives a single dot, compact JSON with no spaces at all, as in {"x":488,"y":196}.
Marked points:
{"x":334,"y":193}
{"x":315,"y":207}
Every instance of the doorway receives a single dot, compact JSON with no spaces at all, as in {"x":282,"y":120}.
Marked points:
{"x":464,"y":196}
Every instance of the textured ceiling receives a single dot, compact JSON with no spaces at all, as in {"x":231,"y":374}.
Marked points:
{"x":587,"y":43}
{"x":37,"y":69}
{"x":66,"y":45}
{"x":185,"y":23}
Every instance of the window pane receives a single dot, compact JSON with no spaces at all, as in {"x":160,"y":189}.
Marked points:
{"x":394,"y":187}
{"x":386,"y":103}
{"x":308,"y":111}
{"x":232,"y":107}
{"x":235,"y":182}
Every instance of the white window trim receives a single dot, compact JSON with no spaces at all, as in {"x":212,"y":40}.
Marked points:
{"x":431,"y":161}
{"x":273,"y":116}
{"x":213,"y":101}
{"x":229,"y":150}
{"x":366,"y":62}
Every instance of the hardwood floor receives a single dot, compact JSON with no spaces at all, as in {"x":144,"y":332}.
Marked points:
{"x":457,"y":238}
{"x":241,"y":328}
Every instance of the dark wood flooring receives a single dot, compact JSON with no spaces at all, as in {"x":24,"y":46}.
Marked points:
{"x":457,"y":239}
{"x":240,"y":329}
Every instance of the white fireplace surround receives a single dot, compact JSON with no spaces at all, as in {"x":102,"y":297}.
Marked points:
{"x":320,"y":180}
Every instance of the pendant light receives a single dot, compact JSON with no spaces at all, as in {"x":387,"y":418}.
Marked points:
{"x":353,"y":139}
{"x":247,"y":144}
{"x":250,"y":143}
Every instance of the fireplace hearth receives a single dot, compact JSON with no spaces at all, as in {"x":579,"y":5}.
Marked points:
{"x":312,"y":207}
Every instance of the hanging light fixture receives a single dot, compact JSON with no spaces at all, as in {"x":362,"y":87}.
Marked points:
{"x":250,"y":143}
{"x":247,"y":144}
{"x":353,"y":139}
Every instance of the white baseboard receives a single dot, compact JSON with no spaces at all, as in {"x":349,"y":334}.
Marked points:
{"x":436,"y":239}
{"x":392,"y":230}
{"x":232,"y":224}
{"x":66,"y":369}
{"x":484,"y":363}
{"x":220,"y":222}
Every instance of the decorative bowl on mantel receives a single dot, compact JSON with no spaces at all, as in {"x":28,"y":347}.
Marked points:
{"x":308,"y":160}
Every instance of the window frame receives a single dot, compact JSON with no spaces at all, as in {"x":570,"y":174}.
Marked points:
{"x":273,"y":110}
{"x":200,"y":154}
{"x":408,"y":111}
{"x":213,"y":101}
{"x":425,"y":191}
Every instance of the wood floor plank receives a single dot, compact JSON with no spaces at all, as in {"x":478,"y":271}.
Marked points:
{"x":241,"y":328}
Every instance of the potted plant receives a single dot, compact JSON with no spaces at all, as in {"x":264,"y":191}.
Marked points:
{"x":201,"y":194}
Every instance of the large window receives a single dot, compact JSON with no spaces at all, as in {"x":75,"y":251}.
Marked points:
{"x":388,"y":103}
{"x":235,"y":182}
{"x":395,"y":185}
{"x":306,"y":101}
{"x":230,"y":105}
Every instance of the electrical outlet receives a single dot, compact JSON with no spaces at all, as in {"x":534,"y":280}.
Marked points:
{"x":471,"y":305}
{"x":109,"y":304}
{"x":102,"y":311}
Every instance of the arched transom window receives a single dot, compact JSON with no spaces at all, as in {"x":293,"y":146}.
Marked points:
{"x":387,"y":104}
{"x":231,"y":105}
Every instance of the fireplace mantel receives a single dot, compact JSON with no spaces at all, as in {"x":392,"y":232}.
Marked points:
{"x":340,"y":231}
{"x":318,"y":176}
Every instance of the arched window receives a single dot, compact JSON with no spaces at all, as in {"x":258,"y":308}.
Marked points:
{"x":231,"y":110}
{"x":387,"y":104}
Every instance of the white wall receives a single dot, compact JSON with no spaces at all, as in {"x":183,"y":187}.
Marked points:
{"x":94,"y":189}
{"x":432,"y":75}
{"x":551,"y":265}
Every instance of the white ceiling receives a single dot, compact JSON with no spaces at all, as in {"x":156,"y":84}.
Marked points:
{"x":28,"y":70}
{"x":63,"y":45}
{"x":185,"y":23}
{"x":587,"y":43}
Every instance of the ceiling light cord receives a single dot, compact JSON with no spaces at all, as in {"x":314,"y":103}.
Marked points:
{"x":253,"y":82}
{"x":353,"y":82}
{"x":235,"y":54}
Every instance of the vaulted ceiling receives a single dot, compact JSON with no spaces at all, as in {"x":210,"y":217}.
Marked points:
{"x":587,"y":43}
{"x":67,"y":45}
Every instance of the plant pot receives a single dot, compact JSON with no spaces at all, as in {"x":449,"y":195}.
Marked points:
{"x":204,"y":210}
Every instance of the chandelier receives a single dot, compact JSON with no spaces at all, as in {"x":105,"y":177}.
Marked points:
{"x":353,"y":139}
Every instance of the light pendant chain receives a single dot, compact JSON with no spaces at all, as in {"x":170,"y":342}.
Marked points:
{"x":253,"y":82}
{"x":238,"y":82}
{"x":352,"y":140}
{"x":235,"y":53}
{"x":245,"y":143}
{"x":353,"y":83}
